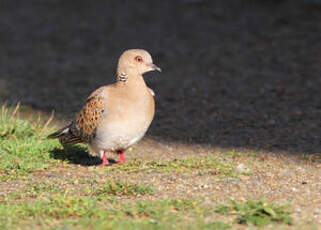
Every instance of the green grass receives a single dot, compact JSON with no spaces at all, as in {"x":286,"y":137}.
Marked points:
{"x":32,"y":191}
{"x":204,"y":165}
{"x":109,"y":189}
{"x":112,"y":187}
{"x":257,"y":213}
{"x":46,"y":206}
{"x":77,"y":212}
{"x":23,"y":148}
{"x":238,"y":154}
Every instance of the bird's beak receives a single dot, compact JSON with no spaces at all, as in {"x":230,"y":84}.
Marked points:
{"x":154,"y":67}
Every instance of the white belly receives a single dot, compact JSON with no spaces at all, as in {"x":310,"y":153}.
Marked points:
{"x":118,"y":136}
{"x":123,"y":125}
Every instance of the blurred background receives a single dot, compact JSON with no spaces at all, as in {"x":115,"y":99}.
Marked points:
{"x":236,"y":74}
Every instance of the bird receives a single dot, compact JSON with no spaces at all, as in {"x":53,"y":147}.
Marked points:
{"x":115,"y":116}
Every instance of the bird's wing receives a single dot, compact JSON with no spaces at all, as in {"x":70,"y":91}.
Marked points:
{"x":88,"y":118}
{"x":83,"y":128}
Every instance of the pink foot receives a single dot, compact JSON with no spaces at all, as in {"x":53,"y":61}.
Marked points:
{"x":104,"y":159}
{"x":121,"y":157}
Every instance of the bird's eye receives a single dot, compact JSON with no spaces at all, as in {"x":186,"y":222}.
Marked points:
{"x":139,"y":58}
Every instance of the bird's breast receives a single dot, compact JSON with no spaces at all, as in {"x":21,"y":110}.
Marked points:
{"x":125,"y":124}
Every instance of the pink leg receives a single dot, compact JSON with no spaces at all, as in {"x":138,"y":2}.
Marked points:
{"x":121,"y":157}
{"x":104,"y":159}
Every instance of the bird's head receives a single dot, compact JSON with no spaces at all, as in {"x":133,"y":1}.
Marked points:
{"x":136,"y":62}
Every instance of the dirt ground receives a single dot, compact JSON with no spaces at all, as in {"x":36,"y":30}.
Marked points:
{"x":237,"y":75}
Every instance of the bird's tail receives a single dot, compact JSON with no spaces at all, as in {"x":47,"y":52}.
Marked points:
{"x":65,"y":135}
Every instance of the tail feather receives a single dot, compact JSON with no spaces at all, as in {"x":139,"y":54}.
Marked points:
{"x":69,"y":140}
{"x":59,"y":132}
{"x":65,"y":136}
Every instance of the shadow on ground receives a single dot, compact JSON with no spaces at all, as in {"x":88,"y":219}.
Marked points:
{"x":236,"y":73}
{"x":76,"y":154}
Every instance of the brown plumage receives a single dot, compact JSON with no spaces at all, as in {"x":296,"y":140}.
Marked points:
{"x":83,"y":128}
{"x":115,"y":116}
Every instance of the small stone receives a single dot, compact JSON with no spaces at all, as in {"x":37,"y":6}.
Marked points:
{"x":297,"y":210}
{"x":242,"y":168}
{"x":232,"y":180}
{"x":203,"y":186}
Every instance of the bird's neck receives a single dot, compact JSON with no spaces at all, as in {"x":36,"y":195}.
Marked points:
{"x":135,"y":81}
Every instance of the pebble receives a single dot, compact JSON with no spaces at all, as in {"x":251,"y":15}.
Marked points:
{"x":203,"y":186}
{"x":242,"y":168}
{"x":297,"y":210}
{"x":232,"y":180}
